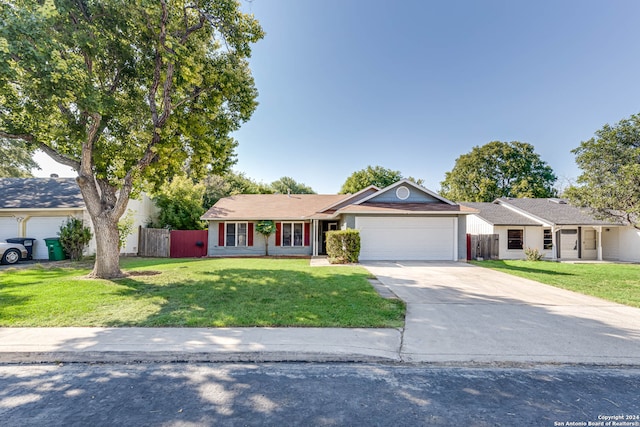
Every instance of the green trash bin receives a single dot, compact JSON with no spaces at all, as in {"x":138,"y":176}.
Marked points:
{"x":56,"y":253}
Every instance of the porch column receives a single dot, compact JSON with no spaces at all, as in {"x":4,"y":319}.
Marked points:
{"x":315,"y":237}
{"x":599,"y":240}
{"x":554,"y":242}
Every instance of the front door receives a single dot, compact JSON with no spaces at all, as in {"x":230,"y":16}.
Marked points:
{"x":569,"y":243}
{"x":589,"y":244}
{"x":326,"y":226}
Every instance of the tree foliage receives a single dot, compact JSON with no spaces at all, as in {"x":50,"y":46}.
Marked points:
{"x":16,"y":159}
{"x":180,"y":204}
{"x":610,"y":179}
{"x":378,"y":176}
{"x":125,"y":93}
{"x":74,"y":238}
{"x":498,"y":169}
{"x":287,"y":184}
{"x":230,"y":184}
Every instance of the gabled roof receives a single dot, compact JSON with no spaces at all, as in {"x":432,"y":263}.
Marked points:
{"x":271,"y":206}
{"x":247,"y":207}
{"x":406,"y":208}
{"x":496,"y":214}
{"x":553,"y":211}
{"x":40,"y":193}
{"x":406,"y":182}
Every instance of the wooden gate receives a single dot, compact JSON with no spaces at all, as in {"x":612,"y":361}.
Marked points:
{"x":189,"y":243}
{"x":153,"y":242}
{"x":483,"y":246}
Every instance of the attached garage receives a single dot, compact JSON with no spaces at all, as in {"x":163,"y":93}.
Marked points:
{"x":8,"y":227}
{"x":41,"y":228}
{"x":432,"y":238}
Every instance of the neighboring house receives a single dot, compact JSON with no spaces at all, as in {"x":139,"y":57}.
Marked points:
{"x":554,"y":227}
{"x":403,"y":221}
{"x":37,"y":207}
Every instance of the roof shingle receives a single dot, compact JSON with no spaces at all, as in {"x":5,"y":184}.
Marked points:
{"x":40,"y":193}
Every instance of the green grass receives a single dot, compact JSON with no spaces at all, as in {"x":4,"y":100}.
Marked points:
{"x":197,"y":293}
{"x":614,"y":282}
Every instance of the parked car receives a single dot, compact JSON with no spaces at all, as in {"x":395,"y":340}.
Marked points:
{"x":11,"y":253}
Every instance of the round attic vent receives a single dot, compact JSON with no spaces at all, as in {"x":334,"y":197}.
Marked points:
{"x":402,"y":193}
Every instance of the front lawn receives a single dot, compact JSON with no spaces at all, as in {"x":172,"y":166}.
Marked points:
{"x":614,"y":282}
{"x":198,"y":293}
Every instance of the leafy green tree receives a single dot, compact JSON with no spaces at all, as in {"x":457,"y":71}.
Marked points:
{"x":266,"y":228}
{"x":498,"y":169}
{"x":180,"y":205}
{"x":378,"y":176}
{"x":125,"y":93}
{"x":230,"y":184}
{"x":610,"y":179}
{"x":74,"y":237}
{"x":16,"y":159}
{"x":286,"y":184}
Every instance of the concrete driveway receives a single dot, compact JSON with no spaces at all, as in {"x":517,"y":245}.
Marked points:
{"x":459,"y":312}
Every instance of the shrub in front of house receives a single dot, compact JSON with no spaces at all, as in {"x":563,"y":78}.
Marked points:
{"x":343,"y":246}
{"x":74,"y":237}
{"x":533,"y":254}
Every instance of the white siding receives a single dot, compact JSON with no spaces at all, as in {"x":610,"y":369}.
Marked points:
{"x":533,"y":238}
{"x":477,"y":225}
{"x":611,"y":243}
{"x":629,"y":244}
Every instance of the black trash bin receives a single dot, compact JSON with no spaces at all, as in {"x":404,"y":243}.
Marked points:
{"x":27,"y":242}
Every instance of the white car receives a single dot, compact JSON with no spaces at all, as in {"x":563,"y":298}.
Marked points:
{"x":11,"y":253}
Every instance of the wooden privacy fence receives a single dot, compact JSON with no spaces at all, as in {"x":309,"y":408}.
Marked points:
{"x":162,"y":243}
{"x":153,"y":242}
{"x":482,"y":246}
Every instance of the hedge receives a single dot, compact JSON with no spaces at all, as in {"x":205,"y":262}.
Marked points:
{"x":343,"y":246}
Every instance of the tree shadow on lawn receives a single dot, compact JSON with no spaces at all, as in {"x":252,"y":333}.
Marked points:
{"x":503,"y":266}
{"x":245,"y":297}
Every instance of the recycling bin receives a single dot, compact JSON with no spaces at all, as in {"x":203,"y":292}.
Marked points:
{"x":27,"y":242}
{"x":56,"y":253}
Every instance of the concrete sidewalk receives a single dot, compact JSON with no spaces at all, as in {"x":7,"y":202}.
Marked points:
{"x":42,"y":345}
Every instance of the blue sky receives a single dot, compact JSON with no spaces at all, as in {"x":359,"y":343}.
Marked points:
{"x":413,"y":84}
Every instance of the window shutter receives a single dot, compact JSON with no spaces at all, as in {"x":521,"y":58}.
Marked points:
{"x":307,"y":233}
{"x":221,"y":234}
{"x":278,"y":232}
{"x":250,"y":234}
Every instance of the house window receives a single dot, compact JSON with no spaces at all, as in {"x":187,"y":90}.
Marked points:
{"x":236,"y":234}
{"x":515,"y":239}
{"x":292,"y":234}
{"x":547,"y":239}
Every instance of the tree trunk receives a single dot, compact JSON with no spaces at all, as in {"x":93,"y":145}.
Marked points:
{"x":107,"y":265}
{"x":266,"y":245}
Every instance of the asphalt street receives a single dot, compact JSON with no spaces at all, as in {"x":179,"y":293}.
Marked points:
{"x":306,"y":394}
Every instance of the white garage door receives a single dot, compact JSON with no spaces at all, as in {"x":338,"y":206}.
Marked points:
{"x":8,"y":228}
{"x":407,"y":238}
{"x":41,"y":228}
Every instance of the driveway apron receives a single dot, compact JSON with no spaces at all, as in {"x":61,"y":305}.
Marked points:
{"x":458,"y":312}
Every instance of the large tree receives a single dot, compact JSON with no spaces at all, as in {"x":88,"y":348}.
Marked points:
{"x":498,"y":169}
{"x":230,"y":184}
{"x":125,"y":93}
{"x":610,"y":179}
{"x":16,"y":159}
{"x":378,"y":176}
{"x":287,"y":184}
